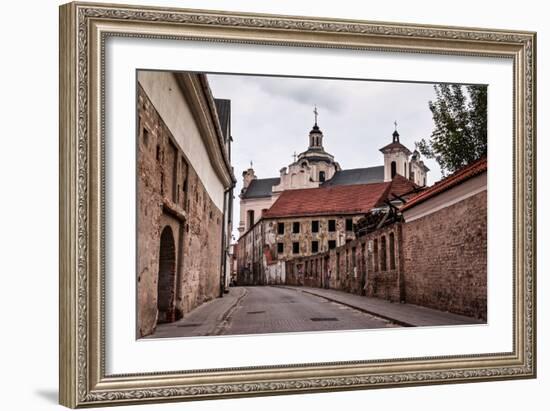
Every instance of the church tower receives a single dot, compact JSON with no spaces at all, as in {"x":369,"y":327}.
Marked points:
{"x":396,"y":158}
{"x":316,"y":135}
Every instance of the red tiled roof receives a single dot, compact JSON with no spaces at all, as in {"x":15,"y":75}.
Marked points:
{"x":401,"y":186}
{"x":331,"y":200}
{"x":458,"y":177}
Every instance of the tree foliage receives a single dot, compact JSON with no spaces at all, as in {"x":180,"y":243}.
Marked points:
{"x":460,"y":126}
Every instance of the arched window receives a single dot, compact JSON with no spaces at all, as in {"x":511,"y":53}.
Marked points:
{"x":393,"y":169}
{"x":375,"y":258}
{"x":383,"y":263}
{"x":392,"y":251}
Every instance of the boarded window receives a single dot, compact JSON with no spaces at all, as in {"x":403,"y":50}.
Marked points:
{"x":296,"y":227}
{"x":315,"y":246}
{"x":331,"y":225}
{"x":315,"y":226}
{"x":295,"y":247}
{"x":383,"y":264}
{"x":280,"y":228}
{"x":375,"y":259}
{"x":392,"y":251}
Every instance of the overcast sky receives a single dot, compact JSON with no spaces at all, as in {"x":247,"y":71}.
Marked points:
{"x":271,"y":118}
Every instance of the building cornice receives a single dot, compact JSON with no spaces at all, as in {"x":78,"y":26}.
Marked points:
{"x":196,"y":90}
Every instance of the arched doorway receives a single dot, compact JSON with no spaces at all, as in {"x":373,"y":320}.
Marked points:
{"x":166,"y":277}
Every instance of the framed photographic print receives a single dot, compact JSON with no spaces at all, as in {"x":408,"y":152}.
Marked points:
{"x":259,"y":204}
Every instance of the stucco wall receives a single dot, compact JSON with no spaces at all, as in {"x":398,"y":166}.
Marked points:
{"x":165,"y":94}
{"x":171,"y":193}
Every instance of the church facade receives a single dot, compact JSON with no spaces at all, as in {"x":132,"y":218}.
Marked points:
{"x":314,"y":205}
{"x":315,"y":168}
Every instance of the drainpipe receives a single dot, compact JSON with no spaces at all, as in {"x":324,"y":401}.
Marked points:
{"x":223,"y":261}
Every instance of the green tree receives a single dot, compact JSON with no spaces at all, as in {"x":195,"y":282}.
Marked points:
{"x":460,"y":126}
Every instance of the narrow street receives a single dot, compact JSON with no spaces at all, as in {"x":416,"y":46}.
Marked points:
{"x":276,"y":309}
{"x":265,"y":309}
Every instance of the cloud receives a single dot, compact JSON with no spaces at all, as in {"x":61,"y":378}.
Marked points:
{"x":272,"y":117}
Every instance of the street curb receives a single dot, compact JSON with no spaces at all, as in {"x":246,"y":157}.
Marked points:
{"x":225,"y":316}
{"x":385,"y":317}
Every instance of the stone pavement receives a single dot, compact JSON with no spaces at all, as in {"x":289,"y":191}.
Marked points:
{"x":407,"y":315}
{"x":207,"y":319}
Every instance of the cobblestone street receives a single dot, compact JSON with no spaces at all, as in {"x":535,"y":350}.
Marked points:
{"x":265,"y":309}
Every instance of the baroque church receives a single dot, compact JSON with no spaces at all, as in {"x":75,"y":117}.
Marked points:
{"x":316,"y":168}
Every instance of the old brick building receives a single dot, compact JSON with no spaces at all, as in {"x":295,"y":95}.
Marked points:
{"x":184,"y":191}
{"x":313,"y":205}
{"x":316,"y":168}
{"x":309,"y":222}
{"x":432,"y":251}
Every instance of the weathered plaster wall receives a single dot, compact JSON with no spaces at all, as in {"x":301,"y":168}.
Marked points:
{"x":171,"y":193}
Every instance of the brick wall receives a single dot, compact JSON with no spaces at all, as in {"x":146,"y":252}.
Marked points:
{"x":445,"y":257}
{"x":359,"y":267}
{"x":170,"y":193}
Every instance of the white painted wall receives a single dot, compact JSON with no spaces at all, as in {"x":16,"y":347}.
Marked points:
{"x":167,"y":97}
{"x":447,"y":198}
{"x":402,"y":164}
{"x":255,"y":204}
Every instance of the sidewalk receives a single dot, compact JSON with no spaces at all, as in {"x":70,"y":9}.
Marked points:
{"x":407,"y":315}
{"x":206,"y":319}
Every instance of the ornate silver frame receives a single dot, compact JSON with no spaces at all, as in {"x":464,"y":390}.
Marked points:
{"x":83,"y":30}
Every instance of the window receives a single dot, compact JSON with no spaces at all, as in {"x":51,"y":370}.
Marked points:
{"x":296,"y":227}
{"x":332,"y":225}
{"x":321,"y":176}
{"x":315,"y":226}
{"x":295,"y":247}
{"x":331,"y":244}
{"x":145,"y":134}
{"x":250,"y":218}
{"x":393,"y":169}
{"x":405,"y":169}
{"x":375,"y":259}
{"x":315,"y":246}
{"x":280,"y":248}
{"x":383,"y":264}
{"x":280,"y":228}
{"x":349,"y":224}
{"x":392,"y":251}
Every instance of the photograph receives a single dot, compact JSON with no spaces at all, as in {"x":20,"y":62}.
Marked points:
{"x":276,"y":204}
